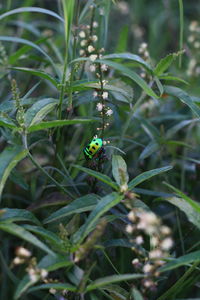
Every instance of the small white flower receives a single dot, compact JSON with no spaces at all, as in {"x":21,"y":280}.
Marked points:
{"x":17,"y":261}
{"x":193,"y":25}
{"x":105,"y":95}
{"x":155,"y":254}
{"x":109,"y":112}
{"x":95,"y":38}
{"x":131,"y":216}
{"x":52,"y":291}
{"x":135,"y":261}
{"x":43,"y":273}
{"x":104,"y":67}
{"x":197,"y":45}
{"x":165,"y":230}
{"x":90,"y":48}
{"x":82,"y":34}
{"x":33,"y":275}
{"x":99,"y":106}
{"x":154,"y":241}
{"x":105,"y":82}
{"x":167,"y":243}
{"x":95,"y":94}
{"x":95,"y":24}
{"x":23,"y":252}
{"x":83,"y":43}
{"x":191,"y":39}
{"x":129,"y":228}
{"x":139,"y":240}
{"x":147,"y":268}
{"x":93,"y":57}
{"x":92,"y":68}
{"x":81,"y":52}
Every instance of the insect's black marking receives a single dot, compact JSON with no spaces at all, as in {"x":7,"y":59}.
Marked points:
{"x":97,"y":144}
{"x":90,"y":152}
{"x":93,"y":148}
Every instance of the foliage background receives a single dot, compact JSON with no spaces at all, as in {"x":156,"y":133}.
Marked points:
{"x":153,"y":134}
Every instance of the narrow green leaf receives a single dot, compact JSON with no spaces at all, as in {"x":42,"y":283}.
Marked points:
{"x":172,"y":78}
{"x":39,"y":110}
{"x":7,"y":122}
{"x":26,"y":42}
{"x":9,"y":158}
{"x":56,"y":286}
{"x":132,"y":75}
{"x":192,"y":214}
{"x":184,"y":97}
{"x":193,"y":203}
{"x":31,"y":9}
{"x":25,"y":235}
{"x":147,"y":175}
{"x":111,"y":279}
{"x":164,"y":64}
{"x":119,"y":170}
{"x":85,"y":203}
{"x":46,"y":234}
{"x":151,"y":148}
{"x":133,"y":57}
{"x":38,"y":73}
{"x":57,"y":123}
{"x":104,"y":178}
{"x":101,"y":208}
{"x":16,"y":215}
{"x":125,"y":71}
{"x":181,"y":261}
{"x":136,"y":295}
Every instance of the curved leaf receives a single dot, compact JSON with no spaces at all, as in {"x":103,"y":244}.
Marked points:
{"x":38,"y":73}
{"x":181,"y":261}
{"x":9,"y":158}
{"x":104,"y":178}
{"x":26,"y":42}
{"x":102,"y":207}
{"x":39,"y":110}
{"x":31,"y":9}
{"x":111,"y":279}
{"x":147,"y":175}
{"x":135,"y":58}
{"x":25,"y":235}
{"x":15,"y":214}
{"x":57,"y":123}
{"x":184,"y":97}
{"x":85,"y":203}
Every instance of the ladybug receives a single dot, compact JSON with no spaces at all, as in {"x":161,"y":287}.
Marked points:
{"x":93,"y":148}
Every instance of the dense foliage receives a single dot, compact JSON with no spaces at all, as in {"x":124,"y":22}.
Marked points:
{"x":99,"y":149}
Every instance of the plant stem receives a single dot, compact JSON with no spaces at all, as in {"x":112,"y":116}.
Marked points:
{"x":24,"y":137}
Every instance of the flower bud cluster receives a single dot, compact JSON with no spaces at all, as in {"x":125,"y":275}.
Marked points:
{"x":194,"y":46}
{"x":142,"y":224}
{"x":22,"y":255}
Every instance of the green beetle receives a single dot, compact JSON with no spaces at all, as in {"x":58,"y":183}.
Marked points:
{"x":92,"y":148}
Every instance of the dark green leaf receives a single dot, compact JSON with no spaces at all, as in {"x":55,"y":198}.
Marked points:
{"x":147,"y":175}
{"x":9,"y":158}
{"x":85,"y":203}
{"x":99,"y":176}
{"x":57,"y":123}
{"x":112,"y":279}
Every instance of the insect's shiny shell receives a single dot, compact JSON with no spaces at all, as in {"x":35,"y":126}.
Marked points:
{"x":92,"y":148}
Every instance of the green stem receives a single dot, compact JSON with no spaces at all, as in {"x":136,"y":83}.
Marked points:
{"x":43,"y":170}
{"x":175,"y":288}
{"x":181,"y":16}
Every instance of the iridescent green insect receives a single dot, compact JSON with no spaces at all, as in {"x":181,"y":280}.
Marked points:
{"x":92,"y":148}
